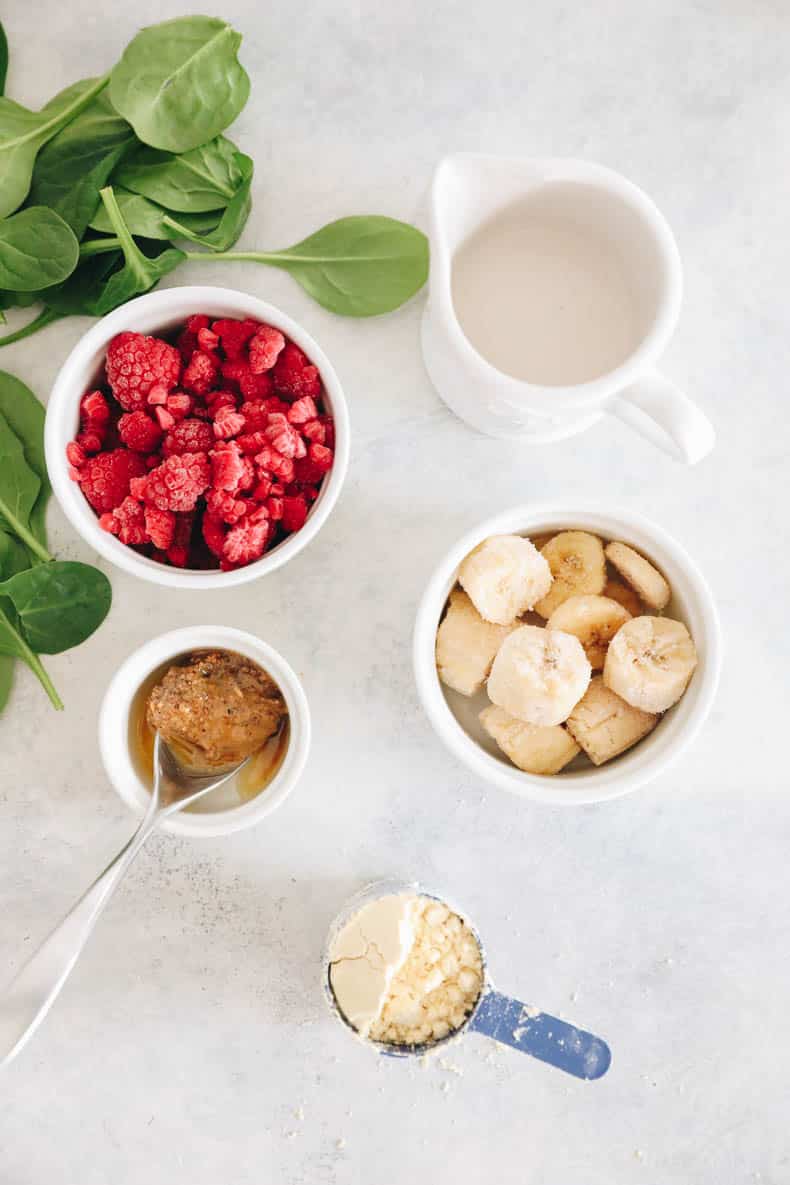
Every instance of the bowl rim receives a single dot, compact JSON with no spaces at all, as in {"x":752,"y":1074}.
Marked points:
{"x":113,"y":726}
{"x":141,"y":315}
{"x":645,"y":761}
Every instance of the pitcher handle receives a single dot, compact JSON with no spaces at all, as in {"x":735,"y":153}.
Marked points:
{"x":542,"y":1036}
{"x":658,"y":410}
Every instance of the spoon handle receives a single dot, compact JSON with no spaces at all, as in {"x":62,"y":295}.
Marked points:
{"x":542,"y":1036}
{"x":32,"y":992}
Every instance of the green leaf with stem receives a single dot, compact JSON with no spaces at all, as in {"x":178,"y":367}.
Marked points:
{"x":359,"y":266}
{"x":3,"y":58}
{"x":58,"y":605}
{"x":194,"y":182}
{"x":139,"y":273}
{"x":25,"y":417}
{"x":19,"y":489}
{"x":149,"y":220}
{"x":180,"y":82}
{"x":44,"y":318}
{"x":13,"y":645}
{"x":233,"y":220}
{"x":23,"y":132}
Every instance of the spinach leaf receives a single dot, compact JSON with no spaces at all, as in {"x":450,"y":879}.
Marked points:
{"x":79,"y":294}
{"x":232,"y":222}
{"x":204,"y":179}
{"x":19,"y":489}
{"x":23,"y":132}
{"x":71,"y":169}
{"x":179,"y":83}
{"x":58,"y":605}
{"x":44,"y":318}
{"x":25,"y":417}
{"x":13,"y":645}
{"x":13,"y":556}
{"x":37,"y":248}
{"x":3,"y":58}
{"x":146,"y":218}
{"x":139,"y":273}
{"x":357,"y":266}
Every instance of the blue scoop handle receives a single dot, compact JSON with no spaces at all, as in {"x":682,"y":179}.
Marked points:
{"x":542,"y":1036}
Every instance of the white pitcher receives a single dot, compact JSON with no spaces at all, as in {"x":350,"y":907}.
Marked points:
{"x":468,"y":189}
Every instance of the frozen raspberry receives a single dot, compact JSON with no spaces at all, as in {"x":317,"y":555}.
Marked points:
{"x":284,"y":437}
{"x":224,"y":506}
{"x":157,"y":396}
{"x":265,"y":348}
{"x":278,"y":489}
{"x":178,"y":482}
{"x":178,"y":551}
{"x":179,"y":405}
{"x":207,"y":340}
{"x":262,"y":489}
{"x":234,"y":335}
{"x":214,"y":534}
{"x":139,"y":432}
{"x":246,"y":542}
{"x":313,"y":467}
{"x":303,"y":410}
{"x":188,"y":436}
{"x":160,"y":525}
{"x":94,"y":411}
{"x":227,"y":466}
{"x":200,"y":373}
{"x":75,"y":454}
{"x":90,"y":441}
{"x":294,"y":376}
{"x":256,"y":415}
{"x":271,"y":461}
{"x":252,"y":386}
{"x":217,"y":399}
{"x":294,"y":513}
{"x":227,"y":423}
{"x":329,"y":427}
{"x":188,"y":338}
{"x":275,"y":508}
{"x":127,"y":522}
{"x":105,"y":478}
{"x":136,"y":363}
{"x":165,"y":419}
{"x":251,"y":442}
{"x":315,"y":431}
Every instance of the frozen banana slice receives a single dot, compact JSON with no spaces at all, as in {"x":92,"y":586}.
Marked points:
{"x":605,"y":725}
{"x":538,"y":675}
{"x":593,"y":620}
{"x":624,"y":596}
{"x":649,"y":662}
{"x":466,"y":645}
{"x":534,"y":749}
{"x":578,"y":566}
{"x":640,"y":574}
{"x":504,"y":575}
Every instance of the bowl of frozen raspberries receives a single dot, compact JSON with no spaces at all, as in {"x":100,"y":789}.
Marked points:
{"x":197,"y":437}
{"x":567,"y":655}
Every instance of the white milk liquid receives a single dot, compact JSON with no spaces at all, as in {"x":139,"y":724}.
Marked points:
{"x":544,"y":299}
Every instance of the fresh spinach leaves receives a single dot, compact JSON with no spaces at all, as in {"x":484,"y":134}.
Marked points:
{"x":180,"y":83}
{"x":204,"y":179}
{"x":58,"y":605}
{"x":37,"y":248}
{"x":233,"y":219}
{"x":139,"y":273}
{"x":149,"y":220}
{"x":24,"y":415}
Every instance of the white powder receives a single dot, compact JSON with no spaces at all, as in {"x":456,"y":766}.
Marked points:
{"x":406,"y":970}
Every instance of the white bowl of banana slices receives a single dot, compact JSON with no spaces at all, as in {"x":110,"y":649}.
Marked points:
{"x":568,"y":656}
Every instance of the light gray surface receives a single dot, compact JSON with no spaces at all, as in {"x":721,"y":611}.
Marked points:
{"x":193,"y":1038}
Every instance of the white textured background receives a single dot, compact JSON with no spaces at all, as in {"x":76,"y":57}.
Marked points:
{"x":191,"y":1046}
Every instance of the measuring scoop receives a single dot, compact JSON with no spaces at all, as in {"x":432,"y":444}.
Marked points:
{"x":506,"y":1020}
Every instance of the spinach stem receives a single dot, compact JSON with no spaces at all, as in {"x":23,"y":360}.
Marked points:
{"x":44,"y":318}
{"x":99,"y":246}
{"x":37,"y":667}
{"x":24,"y":534}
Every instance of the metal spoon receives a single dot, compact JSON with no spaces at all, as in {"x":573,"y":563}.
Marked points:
{"x":32,"y":992}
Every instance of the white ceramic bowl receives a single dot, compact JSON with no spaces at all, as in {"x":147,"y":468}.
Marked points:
{"x":455,"y":717}
{"x":161,"y":312}
{"x":211,"y":816}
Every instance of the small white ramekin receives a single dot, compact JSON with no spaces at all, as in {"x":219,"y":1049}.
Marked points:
{"x":692,"y":603}
{"x":114,"y":739}
{"x":162,"y":312}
